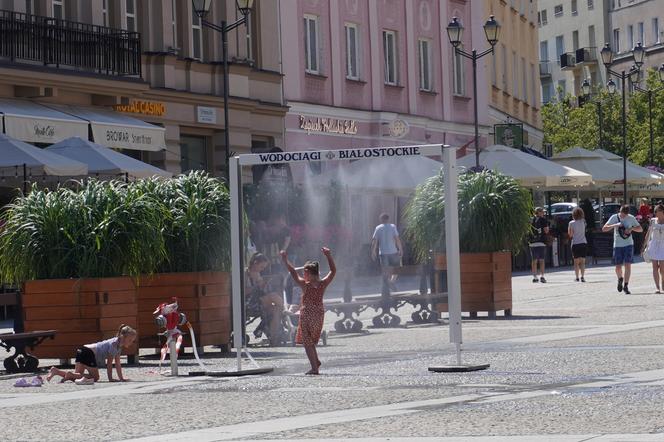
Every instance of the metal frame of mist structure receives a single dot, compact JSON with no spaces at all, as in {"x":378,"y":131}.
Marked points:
{"x":451,"y":225}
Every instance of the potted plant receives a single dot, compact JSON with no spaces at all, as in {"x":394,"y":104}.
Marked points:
{"x":494,"y":217}
{"x":73,"y":253}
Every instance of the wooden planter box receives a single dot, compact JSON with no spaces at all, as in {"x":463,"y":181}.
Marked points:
{"x":486,"y":282}
{"x":83,"y":311}
{"x":204,"y":297}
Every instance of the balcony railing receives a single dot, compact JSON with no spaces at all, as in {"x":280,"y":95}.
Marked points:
{"x":545,"y":68}
{"x":586,"y":55}
{"x":65,"y":44}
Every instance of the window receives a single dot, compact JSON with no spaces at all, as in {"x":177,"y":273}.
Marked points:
{"x":616,"y":40}
{"x":425,"y":64}
{"x":104,"y":12}
{"x":641,"y":33}
{"x":524,"y":80}
{"x":544,"y":51}
{"x":249,"y":27}
{"x":311,"y":44}
{"x":558,"y":10}
{"x":544,"y":18}
{"x":630,"y":37}
{"x":591,"y":36}
{"x":547,"y":92}
{"x":174,"y":23}
{"x":30,"y":7}
{"x":575,"y":40}
{"x":562,"y":85}
{"x":515,"y":75}
{"x":655,"y":30}
{"x":591,"y":5}
{"x":504,"y":64}
{"x":193,"y":153}
{"x":533,"y":100}
{"x":196,"y":37}
{"x":390,"y":54}
{"x":459,"y":86}
{"x":352,"y":52}
{"x":494,"y":71}
{"x":130,"y":14}
{"x":575,"y":10}
{"x":560,"y":47}
{"x":59,"y":9}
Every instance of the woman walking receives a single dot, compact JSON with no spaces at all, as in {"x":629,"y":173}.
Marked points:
{"x":312,"y":311}
{"x":577,"y":233}
{"x":655,"y":245}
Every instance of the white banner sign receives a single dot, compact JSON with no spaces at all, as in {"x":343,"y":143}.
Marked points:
{"x":341,"y":154}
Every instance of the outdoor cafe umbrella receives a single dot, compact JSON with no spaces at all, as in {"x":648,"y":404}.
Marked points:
{"x":105,"y":161}
{"x":19,"y":157}
{"x":530,"y":170}
{"x":605,"y":172}
{"x":632,"y":169}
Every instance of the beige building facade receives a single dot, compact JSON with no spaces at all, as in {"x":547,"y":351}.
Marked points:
{"x":131,"y":62}
{"x":513,"y":69}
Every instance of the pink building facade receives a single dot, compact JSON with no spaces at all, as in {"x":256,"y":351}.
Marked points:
{"x":365,"y":73}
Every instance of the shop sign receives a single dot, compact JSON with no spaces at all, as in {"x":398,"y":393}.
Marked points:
{"x":328,"y":125}
{"x":143,"y":108}
{"x":206,"y":115}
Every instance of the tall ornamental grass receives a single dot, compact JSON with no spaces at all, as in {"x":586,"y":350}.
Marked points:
{"x":494,"y":214}
{"x":105,"y":229}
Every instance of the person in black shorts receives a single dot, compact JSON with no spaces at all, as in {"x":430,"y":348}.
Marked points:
{"x":577,"y":233}
{"x":537,"y":245}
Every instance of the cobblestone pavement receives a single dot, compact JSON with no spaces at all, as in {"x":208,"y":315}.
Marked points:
{"x":576,"y":361}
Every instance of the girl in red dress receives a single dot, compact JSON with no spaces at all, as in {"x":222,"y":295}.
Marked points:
{"x":312,"y":311}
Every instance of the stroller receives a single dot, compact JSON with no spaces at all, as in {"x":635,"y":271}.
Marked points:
{"x":255,"y":311}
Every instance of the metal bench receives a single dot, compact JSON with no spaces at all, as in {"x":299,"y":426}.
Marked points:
{"x":22,"y":361}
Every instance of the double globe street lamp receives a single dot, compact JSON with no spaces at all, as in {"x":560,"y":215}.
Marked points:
{"x":455,"y":33}
{"x":202,"y":9}
{"x":638,"y":53}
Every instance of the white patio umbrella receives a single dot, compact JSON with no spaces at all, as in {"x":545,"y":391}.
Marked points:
{"x":529,"y":170}
{"x":605,"y":172}
{"x":632,"y":169}
{"x":104,"y":161}
{"x":22,"y":159}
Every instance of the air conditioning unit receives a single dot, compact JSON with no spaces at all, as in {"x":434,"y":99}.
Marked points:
{"x":567,"y":61}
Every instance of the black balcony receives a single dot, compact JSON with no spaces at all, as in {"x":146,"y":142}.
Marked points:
{"x":46,"y":41}
{"x":567,"y":61}
{"x":585,"y":56}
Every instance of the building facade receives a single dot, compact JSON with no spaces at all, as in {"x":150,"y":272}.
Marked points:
{"x":512,"y":81}
{"x":382,"y":72}
{"x":571,"y":35}
{"x":143,"y":63}
{"x":637,"y":21}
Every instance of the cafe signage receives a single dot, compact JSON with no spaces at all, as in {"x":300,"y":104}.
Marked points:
{"x":142,"y":107}
{"x":328,"y":125}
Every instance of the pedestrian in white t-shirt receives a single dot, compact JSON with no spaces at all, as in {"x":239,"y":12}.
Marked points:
{"x":386,"y":244}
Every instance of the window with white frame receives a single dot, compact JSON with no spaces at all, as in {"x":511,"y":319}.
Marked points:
{"x":630,"y":37}
{"x":641,"y":33}
{"x":174,"y":23}
{"x":424,"y":53}
{"x":311,"y":60}
{"x":250,"y":38}
{"x":558,"y":10}
{"x":130,"y":15}
{"x":591,"y":36}
{"x":562,"y":86}
{"x":591,"y":5}
{"x":655,"y":30}
{"x":533,"y":100}
{"x":575,"y":40}
{"x":459,"y":86}
{"x":560,"y":47}
{"x":390,"y":56}
{"x":196,"y":37}
{"x":515,"y":75}
{"x":616,"y":40}
{"x":524,"y":80}
{"x":575,"y":10}
{"x":58,"y":9}
{"x":352,"y":51}
{"x":104,"y":12}
{"x":543,"y":17}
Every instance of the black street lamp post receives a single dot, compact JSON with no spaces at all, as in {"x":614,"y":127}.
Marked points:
{"x":650,"y":92}
{"x":201,"y":9}
{"x":607,"y":59}
{"x":454,"y":33}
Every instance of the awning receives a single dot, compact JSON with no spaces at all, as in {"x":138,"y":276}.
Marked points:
{"x":113,"y":129}
{"x":31,"y":122}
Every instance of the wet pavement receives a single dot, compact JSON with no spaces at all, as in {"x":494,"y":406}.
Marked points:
{"x":576,"y":361}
